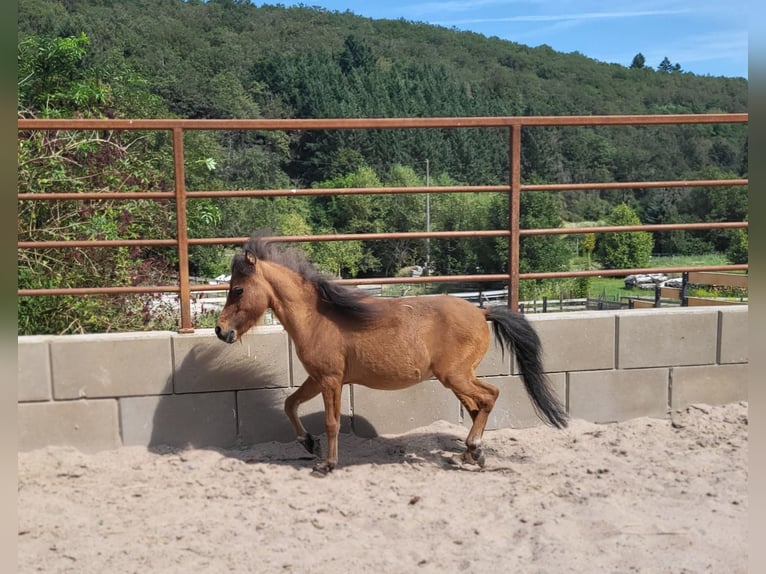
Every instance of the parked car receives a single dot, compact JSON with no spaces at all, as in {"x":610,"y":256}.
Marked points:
{"x":647,"y":281}
{"x":676,"y":282}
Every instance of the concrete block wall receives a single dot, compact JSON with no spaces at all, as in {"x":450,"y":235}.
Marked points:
{"x":97,"y":392}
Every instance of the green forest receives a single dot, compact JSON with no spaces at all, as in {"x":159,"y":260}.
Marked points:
{"x":230,"y":59}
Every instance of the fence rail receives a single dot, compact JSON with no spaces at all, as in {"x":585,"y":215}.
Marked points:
{"x":514,"y":188}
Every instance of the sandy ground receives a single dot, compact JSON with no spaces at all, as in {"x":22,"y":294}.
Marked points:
{"x":645,"y":495}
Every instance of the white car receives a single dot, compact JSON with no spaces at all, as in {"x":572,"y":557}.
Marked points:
{"x":647,"y":281}
{"x":676,"y":282}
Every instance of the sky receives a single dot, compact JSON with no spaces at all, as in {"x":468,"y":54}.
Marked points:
{"x":705,"y":37}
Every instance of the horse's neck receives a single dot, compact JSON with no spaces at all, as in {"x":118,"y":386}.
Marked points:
{"x":294,"y":301}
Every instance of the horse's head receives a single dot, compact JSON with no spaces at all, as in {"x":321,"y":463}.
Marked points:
{"x":247,"y":300}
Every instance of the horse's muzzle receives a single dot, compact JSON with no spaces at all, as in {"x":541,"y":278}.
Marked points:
{"x":228,"y":336}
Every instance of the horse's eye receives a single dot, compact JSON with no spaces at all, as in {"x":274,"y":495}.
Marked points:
{"x":236,"y":291}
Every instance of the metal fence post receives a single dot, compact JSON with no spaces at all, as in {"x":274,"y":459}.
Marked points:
{"x":514,"y":207}
{"x":182,"y":237}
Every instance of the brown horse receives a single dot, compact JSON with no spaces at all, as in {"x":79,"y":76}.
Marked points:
{"x":343,"y":336}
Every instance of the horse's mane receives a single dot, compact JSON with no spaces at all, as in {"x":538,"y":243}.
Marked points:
{"x":350,"y":303}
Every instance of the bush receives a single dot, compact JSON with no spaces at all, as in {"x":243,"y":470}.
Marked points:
{"x":624,"y":250}
{"x":738,"y":248}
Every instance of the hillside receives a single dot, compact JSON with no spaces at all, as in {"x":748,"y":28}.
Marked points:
{"x":182,"y":46}
{"x":228,"y":58}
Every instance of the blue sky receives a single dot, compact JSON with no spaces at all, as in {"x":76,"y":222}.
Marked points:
{"x":706,"y":37}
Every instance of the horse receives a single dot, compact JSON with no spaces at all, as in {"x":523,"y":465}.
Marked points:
{"x":345,"y":336}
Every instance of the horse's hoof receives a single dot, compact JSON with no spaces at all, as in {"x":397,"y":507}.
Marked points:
{"x":322,"y":469}
{"x":474,"y":457}
{"x":311,"y":444}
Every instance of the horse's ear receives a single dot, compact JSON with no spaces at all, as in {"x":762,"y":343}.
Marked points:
{"x":250,"y":258}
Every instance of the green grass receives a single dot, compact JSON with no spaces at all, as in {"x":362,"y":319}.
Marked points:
{"x":613,"y":288}
{"x":609,"y":288}
{"x":683,"y":260}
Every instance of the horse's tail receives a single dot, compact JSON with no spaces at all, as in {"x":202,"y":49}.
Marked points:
{"x":515,"y":333}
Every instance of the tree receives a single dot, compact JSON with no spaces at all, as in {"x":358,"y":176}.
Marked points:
{"x":624,"y":250}
{"x":53,"y":80}
{"x":738,"y":247}
{"x":668,"y":68}
{"x":665,"y":66}
{"x":356,"y":54}
{"x":339,"y":257}
{"x":349,"y":214}
{"x":57,"y":80}
{"x":717,"y":204}
{"x":402,"y":212}
{"x":589,"y":245}
{"x":537,"y":253}
{"x":463,"y":256}
{"x":544,"y":252}
{"x":638,"y":61}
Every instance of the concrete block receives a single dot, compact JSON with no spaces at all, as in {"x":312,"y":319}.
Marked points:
{"x":667,"y":337}
{"x":734,"y":337}
{"x":513,"y":407}
{"x":576,"y":341}
{"x":393,"y":412}
{"x":713,"y":384}
{"x":88,"y":425}
{"x":33,"y":369}
{"x":203,"y":363}
{"x":612,"y":396}
{"x":262,"y":417}
{"x":191,"y":420}
{"x":111,"y":365}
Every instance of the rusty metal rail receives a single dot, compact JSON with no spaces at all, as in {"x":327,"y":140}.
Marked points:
{"x":514,"y":188}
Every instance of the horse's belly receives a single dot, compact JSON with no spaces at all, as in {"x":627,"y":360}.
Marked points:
{"x":391,"y":373}
{"x":389,"y":381}
{"x":396,"y":356}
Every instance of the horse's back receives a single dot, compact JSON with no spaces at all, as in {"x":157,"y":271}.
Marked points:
{"x":446,"y":327}
{"x":457,"y":330}
{"x":447,"y":312}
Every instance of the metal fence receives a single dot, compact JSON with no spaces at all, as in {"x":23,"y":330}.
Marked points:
{"x":514,"y":188}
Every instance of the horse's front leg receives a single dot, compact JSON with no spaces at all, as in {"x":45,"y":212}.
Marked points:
{"x":307,"y":391}
{"x":332,"y":392}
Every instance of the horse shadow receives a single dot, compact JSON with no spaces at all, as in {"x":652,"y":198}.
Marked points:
{"x":235,"y":407}
{"x":439,"y":449}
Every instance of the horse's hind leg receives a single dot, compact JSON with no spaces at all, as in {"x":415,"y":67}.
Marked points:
{"x":307,"y":391}
{"x":478,"y":398}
